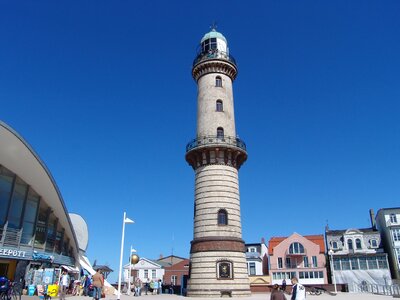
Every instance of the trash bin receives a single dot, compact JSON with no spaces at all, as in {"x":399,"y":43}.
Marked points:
{"x":31,"y":290}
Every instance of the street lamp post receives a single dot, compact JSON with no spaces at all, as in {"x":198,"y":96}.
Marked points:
{"x":130,"y":270}
{"x":129,"y":221}
{"x":332,"y":269}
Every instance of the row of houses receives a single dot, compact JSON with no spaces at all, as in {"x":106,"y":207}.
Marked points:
{"x":350,"y":258}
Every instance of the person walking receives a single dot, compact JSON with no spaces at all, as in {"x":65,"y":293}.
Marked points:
{"x":277,"y":294}
{"x":284,"y":285}
{"x":98,"y":283}
{"x":298,"y":290}
{"x":64,"y":284}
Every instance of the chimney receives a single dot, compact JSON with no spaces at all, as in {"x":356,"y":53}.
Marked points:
{"x":372,"y":217}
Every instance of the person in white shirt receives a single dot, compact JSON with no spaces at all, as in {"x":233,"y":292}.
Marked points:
{"x":298,"y":290}
{"x":64,"y":284}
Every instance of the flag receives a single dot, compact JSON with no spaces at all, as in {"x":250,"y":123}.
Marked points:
{"x":129,"y":221}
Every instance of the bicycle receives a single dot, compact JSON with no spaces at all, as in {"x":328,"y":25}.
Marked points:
{"x":315,"y":291}
{"x":13,"y":292}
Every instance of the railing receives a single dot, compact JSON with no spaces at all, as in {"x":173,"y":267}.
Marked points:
{"x":10,"y":236}
{"x":379,"y":289}
{"x":213,"y":54}
{"x":215,"y":140}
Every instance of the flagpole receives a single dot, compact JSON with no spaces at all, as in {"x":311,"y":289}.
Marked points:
{"x":125,"y":220}
{"x":130,"y":272}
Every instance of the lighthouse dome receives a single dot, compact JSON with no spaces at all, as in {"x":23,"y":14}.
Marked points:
{"x":213,"y":34}
{"x":214,"y":41}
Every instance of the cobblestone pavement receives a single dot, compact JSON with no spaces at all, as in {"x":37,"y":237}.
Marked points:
{"x":255,"y":296}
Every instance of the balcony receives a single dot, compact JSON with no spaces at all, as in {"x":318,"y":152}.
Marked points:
{"x":213,"y":54}
{"x":226,"y":141}
{"x":297,"y":254}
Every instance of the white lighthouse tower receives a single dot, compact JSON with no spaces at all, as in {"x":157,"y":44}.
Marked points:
{"x":218,"y":263}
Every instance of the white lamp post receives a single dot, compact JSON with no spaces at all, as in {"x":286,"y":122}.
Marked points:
{"x":130,"y":270}
{"x":129,"y":221}
{"x":332,"y":269}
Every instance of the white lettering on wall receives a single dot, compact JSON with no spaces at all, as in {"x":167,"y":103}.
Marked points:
{"x":12,"y":252}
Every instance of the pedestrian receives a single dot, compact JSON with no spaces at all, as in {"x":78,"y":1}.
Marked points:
{"x":298,"y":290}
{"x":284,"y":285}
{"x":155,"y":287}
{"x":277,"y":294}
{"x":64,"y":284}
{"x":159,"y":286}
{"x":98,"y":283}
{"x":146,"y":286}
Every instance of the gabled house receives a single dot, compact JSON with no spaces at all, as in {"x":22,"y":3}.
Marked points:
{"x":298,"y":256}
{"x":357,"y":257}
{"x":388,"y":224}
{"x":145,"y":270}
{"x":257,"y":266}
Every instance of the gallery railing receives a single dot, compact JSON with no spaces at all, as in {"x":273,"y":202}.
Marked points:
{"x":213,"y":54}
{"x":215,"y":140}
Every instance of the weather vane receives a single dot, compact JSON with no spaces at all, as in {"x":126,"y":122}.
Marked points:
{"x":214,"y":26}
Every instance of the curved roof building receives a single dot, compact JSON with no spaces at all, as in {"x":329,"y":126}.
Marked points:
{"x":35,"y":226}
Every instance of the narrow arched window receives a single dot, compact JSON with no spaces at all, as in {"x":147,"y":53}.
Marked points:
{"x":222,"y":217}
{"x":218,"y":81}
{"x":219,"y":105}
{"x":220,"y":132}
{"x":358,"y":244}
{"x":350,"y":244}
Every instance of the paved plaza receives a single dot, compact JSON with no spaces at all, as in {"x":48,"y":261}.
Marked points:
{"x":255,"y":296}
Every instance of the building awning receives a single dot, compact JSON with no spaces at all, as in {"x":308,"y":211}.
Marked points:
{"x":71,"y":269}
{"x":85,"y":263}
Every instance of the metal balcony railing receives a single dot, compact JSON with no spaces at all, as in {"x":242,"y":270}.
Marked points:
{"x":215,"y":140}
{"x":213,"y":54}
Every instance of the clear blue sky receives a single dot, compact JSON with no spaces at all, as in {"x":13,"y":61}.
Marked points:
{"x":102,"y":90}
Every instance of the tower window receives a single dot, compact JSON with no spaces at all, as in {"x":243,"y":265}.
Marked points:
{"x":220,"y":132}
{"x":220,"y":106}
{"x":222,"y":217}
{"x":218,"y":81}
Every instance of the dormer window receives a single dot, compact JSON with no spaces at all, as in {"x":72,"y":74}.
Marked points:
{"x":358,"y":244}
{"x":393,"y":218}
{"x":334,"y":245}
{"x":373,"y":243}
{"x":350,"y":244}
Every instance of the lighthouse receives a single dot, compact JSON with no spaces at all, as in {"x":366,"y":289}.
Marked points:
{"x":217,"y":253}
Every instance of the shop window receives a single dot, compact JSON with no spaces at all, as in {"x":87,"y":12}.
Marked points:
{"x":222,"y":217}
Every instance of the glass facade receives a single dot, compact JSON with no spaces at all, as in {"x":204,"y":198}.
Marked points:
{"x":361,"y":263}
{"x":22,"y":210}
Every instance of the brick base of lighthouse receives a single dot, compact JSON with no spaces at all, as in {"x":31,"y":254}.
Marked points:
{"x":204,"y":281}
{"x":217,"y":247}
